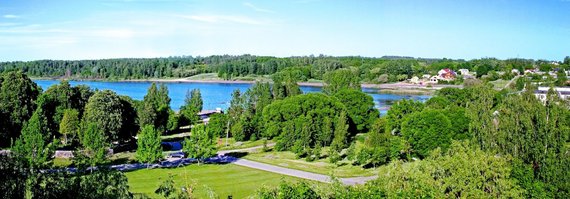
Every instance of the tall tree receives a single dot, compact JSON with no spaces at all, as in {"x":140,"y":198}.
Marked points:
{"x":69,"y":126}
{"x":94,"y":142}
{"x":18,"y":96}
{"x":155,"y":107}
{"x":193,"y":104}
{"x":360,"y":107}
{"x":148,"y":145}
{"x":34,"y":147}
{"x":200,"y":145}
{"x":105,"y":110}
{"x":340,"y":79}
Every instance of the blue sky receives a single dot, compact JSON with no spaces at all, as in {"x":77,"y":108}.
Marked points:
{"x":77,"y":29}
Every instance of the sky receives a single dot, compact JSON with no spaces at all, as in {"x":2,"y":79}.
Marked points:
{"x":457,"y":29}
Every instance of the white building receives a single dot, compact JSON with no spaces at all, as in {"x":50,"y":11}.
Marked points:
{"x":464,"y":71}
{"x":563,"y":92}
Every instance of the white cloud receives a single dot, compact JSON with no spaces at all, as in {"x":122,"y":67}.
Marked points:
{"x":225,"y":19}
{"x":11,"y":16}
{"x":258,"y":9}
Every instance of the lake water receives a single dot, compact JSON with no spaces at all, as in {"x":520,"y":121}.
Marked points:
{"x":214,"y":95}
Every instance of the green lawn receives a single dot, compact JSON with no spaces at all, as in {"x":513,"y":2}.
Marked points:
{"x":232,"y":144}
{"x":287,"y":159}
{"x":225,"y":180}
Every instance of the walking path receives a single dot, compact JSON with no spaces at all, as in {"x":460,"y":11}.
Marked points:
{"x":291,"y":172}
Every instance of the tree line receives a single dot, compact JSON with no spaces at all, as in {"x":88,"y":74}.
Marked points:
{"x":371,"y":70}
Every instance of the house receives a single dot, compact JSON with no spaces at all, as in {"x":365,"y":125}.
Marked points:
{"x":563,"y":93}
{"x":464,"y":71}
{"x":205,"y":114}
{"x":516,"y":71}
{"x":446,"y":74}
{"x":426,"y":76}
{"x":434,"y":79}
{"x":415,"y":80}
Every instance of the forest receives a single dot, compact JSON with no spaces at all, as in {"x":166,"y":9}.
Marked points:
{"x":228,"y":67}
{"x":507,"y":144}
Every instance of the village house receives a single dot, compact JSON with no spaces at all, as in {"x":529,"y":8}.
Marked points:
{"x":446,"y":74}
{"x":563,"y":93}
{"x":415,"y":80}
{"x":464,"y":71}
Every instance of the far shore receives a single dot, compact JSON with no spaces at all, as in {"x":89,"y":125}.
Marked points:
{"x":396,"y":88}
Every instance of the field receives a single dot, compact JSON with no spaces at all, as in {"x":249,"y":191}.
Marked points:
{"x":224,"y":180}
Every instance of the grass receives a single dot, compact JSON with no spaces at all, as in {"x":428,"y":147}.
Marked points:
{"x":62,"y":162}
{"x":224,"y":180}
{"x":205,"y":76}
{"x":322,"y":166}
{"x":499,"y":84}
{"x":232,"y":144}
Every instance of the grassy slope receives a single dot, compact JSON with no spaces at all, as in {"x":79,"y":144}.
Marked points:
{"x":227,"y":179}
{"x":322,"y":166}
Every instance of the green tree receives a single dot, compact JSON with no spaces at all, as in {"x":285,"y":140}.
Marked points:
{"x":217,"y":125}
{"x":94,"y":142}
{"x":443,"y":175}
{"x":33,"y":147}
{"x":18,"y":96}
{"x":288,"y":190}
{"x":155,"y":107}
{"x":340,"y":133}
{"x":200,"y":145}
{"x":426,"y":131}
{"x":69,"y":126}
{"x":192,"y":106}
{"x":397,"y":113}
{"x":340,"y":79}
{"x":360,"y":107}
{"x":105,"y":111}
{"x":148,"y":145}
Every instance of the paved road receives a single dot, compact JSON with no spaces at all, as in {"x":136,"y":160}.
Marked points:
{"x":301,"y":174}
{"x":291,"y":172}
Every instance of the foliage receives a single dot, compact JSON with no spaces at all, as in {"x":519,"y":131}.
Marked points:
{"x":288,"y":190}
{"x":427,"y":130}
{"x":167,"y":190}
{"x":360,"y":107}
{"x":338,"y":80}
{"x":105,"y":111}
{"x":93,"y":140}
{"x":217,"y":125}
{"x":33,"y":147}
{"x":444,"y":176}
{"x":192,"y":106}
{"x":200,"y":145}
{"x":155,"y":107}
{"x":69,"y":126}
{"x":148,"y":145}
{"x":298,"y":122}
{"x":18,"y":96}
{"x":397,"y":113}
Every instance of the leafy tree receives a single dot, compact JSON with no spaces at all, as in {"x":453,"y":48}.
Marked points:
{"x":148,"y":145}
{"x":33,"y":147}
{"x":94,"y":142}
{"x":105,"y":111}
{"x":217,"y":124}
{"x":298,"y":123}
{"x":340,"y":133}
{"x":360,"y":107}
{"x":235,"y":111}
{"x":443,"y":175}
{"x":397,"y":113}
{"x":287,"y":190}
{"x":192,"y":106}
{"x":285,"y":84}
{"x":340,"y":79}
{"x":155,"y":107}
{"x":18,"y":95}
{"x":69,"y":126}
{"x":426,"y":131}
{"x":200,"y":145}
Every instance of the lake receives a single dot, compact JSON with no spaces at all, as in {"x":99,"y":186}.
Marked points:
{"x":214,"y":95}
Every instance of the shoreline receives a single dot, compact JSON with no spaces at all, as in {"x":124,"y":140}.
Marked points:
{"x":396,"y":88}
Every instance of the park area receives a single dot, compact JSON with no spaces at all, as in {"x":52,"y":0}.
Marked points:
{"x":224,"y":180}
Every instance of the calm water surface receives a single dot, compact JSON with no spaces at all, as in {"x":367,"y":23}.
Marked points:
{"x":214,"y":94}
